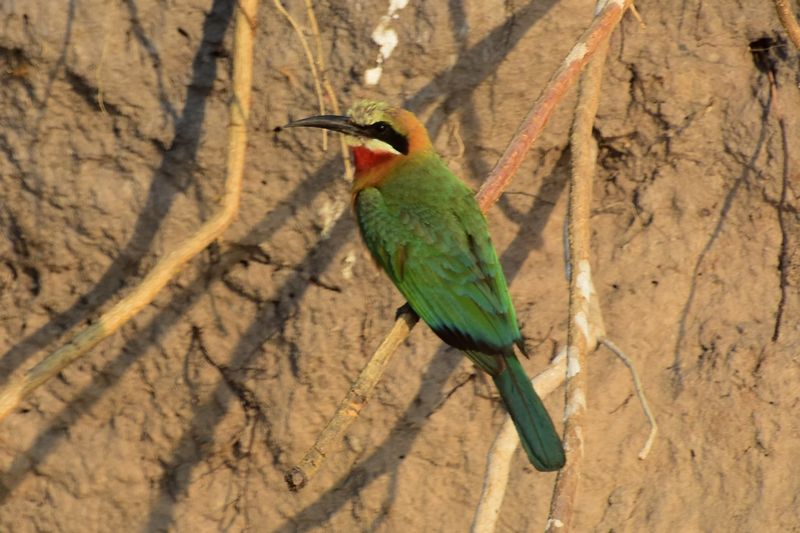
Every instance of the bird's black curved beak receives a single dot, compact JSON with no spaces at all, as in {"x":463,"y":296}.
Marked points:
{"x":337,"y":123}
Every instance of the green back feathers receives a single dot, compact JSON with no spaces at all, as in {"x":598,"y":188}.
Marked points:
{"x":425,"y":229}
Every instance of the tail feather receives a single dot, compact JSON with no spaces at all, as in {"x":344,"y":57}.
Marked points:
{"x":533,"y":423}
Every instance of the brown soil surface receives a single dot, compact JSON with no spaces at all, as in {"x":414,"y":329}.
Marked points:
{"x":112,"y":150}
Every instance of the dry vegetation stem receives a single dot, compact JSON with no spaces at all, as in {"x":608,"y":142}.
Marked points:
{"x":789,"y":21}
{"x":350,"y":407}
{"x":585,"y":322}
{"x":319,"y":74}
{"x":326,"y":84}
{"x":637,"y":386}
{"x":532,"y":126}
{"x":601,"y":27}
{"x":312,"y":64}
{"x":170,"y":264}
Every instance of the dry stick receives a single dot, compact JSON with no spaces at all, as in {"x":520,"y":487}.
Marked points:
{"x":533,"y":124}
{"x":312,"y":19}
{"x":326,"y":84}
{"x":789,"y":21}
{"x":501,"y":175}
{"x":584,"y":315}
{"x":585,"y":324}
{"x":311,"y":64}
{"x":351,"y":405}
{"x":637,"y":386}
{"x":143,"y":294}
{"x":583,"y":304}
{"x":348,"y":166}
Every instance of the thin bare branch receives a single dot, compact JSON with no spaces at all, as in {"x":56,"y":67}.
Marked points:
{"x":312,"y":20}
{"x":585,"y":323}
{"x":311,"y":63}
{"x":348,"y":166}
{"x":533,"y":124}
{"x":637,"y":385}
{"x":352,"y":404}
{"x":789,"y":21}
{"x":326,"y":84}
{"x":143,"y":294}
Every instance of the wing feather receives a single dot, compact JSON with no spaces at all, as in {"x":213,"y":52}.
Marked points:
{"x":435,"y":247}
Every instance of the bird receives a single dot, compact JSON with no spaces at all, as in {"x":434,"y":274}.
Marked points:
{"x":424,"y":228}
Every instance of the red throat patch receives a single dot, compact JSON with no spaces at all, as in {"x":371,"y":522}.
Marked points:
{"x":366,"y":159}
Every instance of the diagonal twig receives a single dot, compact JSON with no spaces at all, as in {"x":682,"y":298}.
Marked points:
{"x":789,"y":21}
{"x":603,"y":24}
{"x":170,"y":264}
{"x":353,"y":402}
{"x":637,"y":386}
{"x":783,"y":254}
{"x":312,"y":64}
{"x":326,"y":84}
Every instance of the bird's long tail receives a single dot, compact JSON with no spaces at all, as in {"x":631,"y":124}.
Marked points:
{"x":533,"y":423}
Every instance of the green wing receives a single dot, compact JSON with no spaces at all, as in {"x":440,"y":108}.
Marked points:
{"x":424,"y":228}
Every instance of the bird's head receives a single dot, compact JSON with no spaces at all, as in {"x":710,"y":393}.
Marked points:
{"x":377,"y":133}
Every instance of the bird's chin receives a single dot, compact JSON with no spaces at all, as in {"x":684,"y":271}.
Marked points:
{"x":365,"y":159}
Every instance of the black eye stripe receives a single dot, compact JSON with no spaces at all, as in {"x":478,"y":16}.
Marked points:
{"x":383,"y":131}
